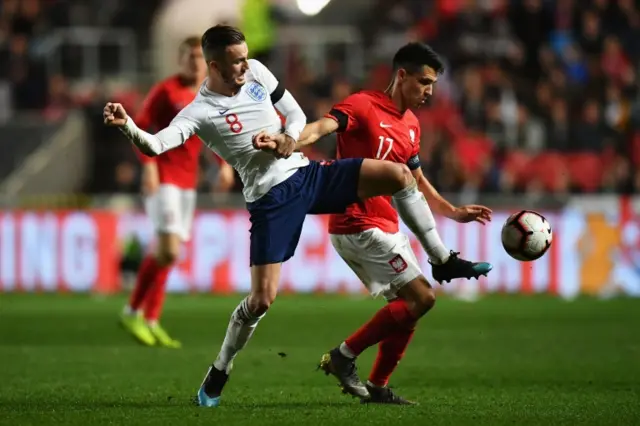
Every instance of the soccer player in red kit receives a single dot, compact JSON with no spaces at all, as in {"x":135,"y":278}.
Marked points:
{"x":168,"y":187}
{"x":374,"y":124}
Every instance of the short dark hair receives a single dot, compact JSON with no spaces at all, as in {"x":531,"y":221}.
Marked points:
{"x":188,"y":44}
{"x":413,"y":56}
{"x":216,"y":39}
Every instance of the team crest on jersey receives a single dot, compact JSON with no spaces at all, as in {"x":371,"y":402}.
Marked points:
{"x":412,"y":135}
{"x":256,"y":91}
{"x":398,"y":264}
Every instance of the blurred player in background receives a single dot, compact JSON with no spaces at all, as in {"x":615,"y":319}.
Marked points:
{"x":374,"y":124}
{"x":168,"y":188}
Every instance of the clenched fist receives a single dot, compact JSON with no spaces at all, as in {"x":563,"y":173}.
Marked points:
{"x":114,"y":115}
{"x":281,"y":145}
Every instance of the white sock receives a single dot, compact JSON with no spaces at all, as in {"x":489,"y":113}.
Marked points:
{"x":346,"y":351}
{"x":416,"y":214}
{"x":128,"y":310}
{"x":241,"y":327}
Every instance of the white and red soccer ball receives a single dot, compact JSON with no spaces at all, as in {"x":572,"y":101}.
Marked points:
{"x":526,"y":235}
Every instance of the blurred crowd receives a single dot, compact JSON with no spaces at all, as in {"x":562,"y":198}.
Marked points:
{"x":538,"y":97}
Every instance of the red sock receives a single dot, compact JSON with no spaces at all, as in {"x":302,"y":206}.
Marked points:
{"x":392,"y":318}
{"x":155,"y":297}
{"x":390,"y":352}
{"x":144,"y":281}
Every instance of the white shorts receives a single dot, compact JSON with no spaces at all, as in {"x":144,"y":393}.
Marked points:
{"x":383,"y":262}
{"x":171,"y":210}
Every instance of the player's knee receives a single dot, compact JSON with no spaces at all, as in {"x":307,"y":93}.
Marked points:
{"x":423,"y":303}
{"x":168,"y":249}
{"x":166,"y":256}
{"x":260,"y":303}
{"x":401,"y":176}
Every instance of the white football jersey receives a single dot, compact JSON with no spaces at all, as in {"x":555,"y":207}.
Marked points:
{"x":227,"y":124}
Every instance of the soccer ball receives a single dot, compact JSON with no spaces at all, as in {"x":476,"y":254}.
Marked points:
{"x":526,"y":235}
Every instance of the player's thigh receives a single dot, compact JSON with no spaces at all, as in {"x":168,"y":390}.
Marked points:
{"x":331,"y":186}
{"x":276,"y":223}
{"x":164,"y":209}
{"x":349,"y":256}
{"x":384,"y":262}
{"x":187,"y":208}
{"x":378,"y":177}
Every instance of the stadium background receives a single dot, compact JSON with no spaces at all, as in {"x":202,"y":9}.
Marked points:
{"x":539,"y":108}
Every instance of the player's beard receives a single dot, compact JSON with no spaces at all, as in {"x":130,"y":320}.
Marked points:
{"x":230,"y":80}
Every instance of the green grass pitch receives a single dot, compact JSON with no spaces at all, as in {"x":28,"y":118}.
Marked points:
{"x":504,"y":360}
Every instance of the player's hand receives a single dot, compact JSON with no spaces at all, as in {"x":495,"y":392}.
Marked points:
{"x":225,"y":180}
{"x":472,"y":213}
{"x":285,"y":145}
{"x":114,"y":115}
{"x":263,"y":142}
{"x":150,"y":180}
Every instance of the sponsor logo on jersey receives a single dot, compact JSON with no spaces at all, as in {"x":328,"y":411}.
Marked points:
{"x":256,"y":91}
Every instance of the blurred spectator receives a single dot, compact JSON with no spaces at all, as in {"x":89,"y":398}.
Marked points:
{"x":529,"y":132}
{"x":532,"y":24}
{"x":472,"y":100}
{"x":591,"y":37}
{"x":558,"y":129}
{"x":590,"y":131}
{"x":59,"y":99}
{"x":126,"y":179}
{"x":495,"y":128}
{"x":615,"y":63}
{"x":543,"y":99}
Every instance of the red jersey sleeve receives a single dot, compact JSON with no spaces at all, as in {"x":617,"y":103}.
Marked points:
{"x":149,"y":115}
{"x":414,"y":134}
{"x":349,"y":112}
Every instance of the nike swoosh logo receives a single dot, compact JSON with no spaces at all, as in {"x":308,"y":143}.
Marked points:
{"x":384,"y":125}
{"x":223,"y":111}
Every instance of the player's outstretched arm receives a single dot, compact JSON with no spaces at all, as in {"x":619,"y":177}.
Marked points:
{"x":180,"y":129}
{"x":314,"y":131}
{"x":464,"y":214}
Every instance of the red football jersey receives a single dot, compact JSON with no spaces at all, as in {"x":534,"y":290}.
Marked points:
{"x":370,"y":126}
{"x":166,"y":99}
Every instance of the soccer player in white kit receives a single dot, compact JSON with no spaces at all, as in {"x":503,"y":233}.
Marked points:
{"x":234,"y":113}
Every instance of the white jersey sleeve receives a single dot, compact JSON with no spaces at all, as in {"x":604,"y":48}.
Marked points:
{"x":182,"y":127}
{"x":263,"y":75}
{"x":281,"y":99}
